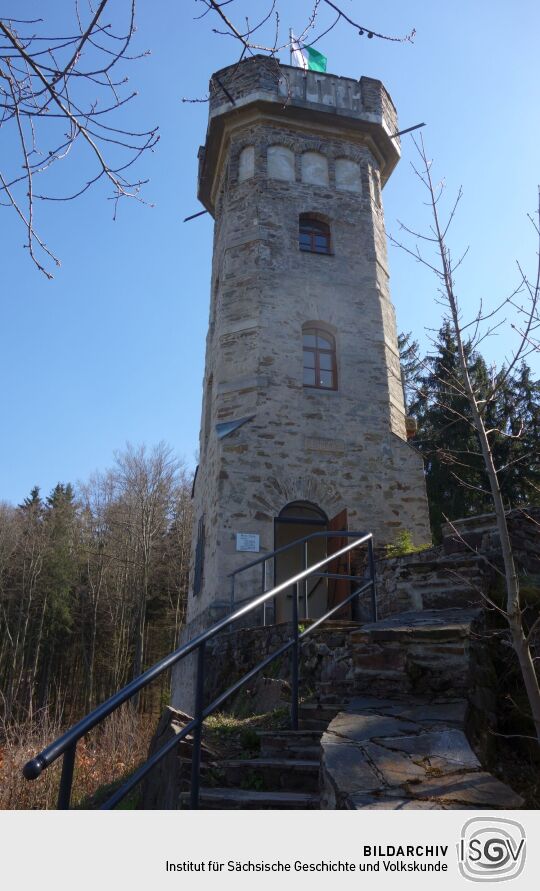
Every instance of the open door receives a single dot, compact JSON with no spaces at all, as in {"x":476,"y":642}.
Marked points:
{"x":297,"y":520}
{"x":339,"y":589}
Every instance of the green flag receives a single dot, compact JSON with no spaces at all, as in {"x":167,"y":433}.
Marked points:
{"x":315,"y":60}
{"x":306,"y":57}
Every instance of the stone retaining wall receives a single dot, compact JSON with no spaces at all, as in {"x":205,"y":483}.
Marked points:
{"x":325,"y":656}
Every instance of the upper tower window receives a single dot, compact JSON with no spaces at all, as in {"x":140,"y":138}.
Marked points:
{"x":313,"y":235}
{"x":314,"y":169}
{"x":348,"y":175}
{"x":246,"y":163}
{"x":320,"y":369}
{"x":280,"y":162}
{"x":377,"y":187}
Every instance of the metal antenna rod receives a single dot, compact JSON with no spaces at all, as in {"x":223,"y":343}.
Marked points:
{"x":408,"y":130}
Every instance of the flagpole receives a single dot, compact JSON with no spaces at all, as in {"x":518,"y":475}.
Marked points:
{"x":290,"y":46}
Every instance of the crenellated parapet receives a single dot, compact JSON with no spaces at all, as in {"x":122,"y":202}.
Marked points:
{"x":360,"y":109}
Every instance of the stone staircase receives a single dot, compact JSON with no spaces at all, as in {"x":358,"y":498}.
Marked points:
{"x":391,"y":734}
{"x":433,"y":579}
{"x":396,"y":704}
{"x":283,"y":776}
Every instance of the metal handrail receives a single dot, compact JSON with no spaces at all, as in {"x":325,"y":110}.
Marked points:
{"x":271,"y":555}
{"x":326,"y":533}
{"x":66,"y":744}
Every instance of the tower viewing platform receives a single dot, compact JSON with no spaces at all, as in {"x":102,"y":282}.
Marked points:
{"x":310,"y":98}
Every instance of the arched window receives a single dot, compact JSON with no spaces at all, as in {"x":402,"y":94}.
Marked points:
{"x":314,"y":169}
{"x":207,"y":410}
{"x":348,"y":175}
{"x":246,"y":163}
{"x":320,"y":369}
{"x":314,"y":235}
{"x":280,"y":162}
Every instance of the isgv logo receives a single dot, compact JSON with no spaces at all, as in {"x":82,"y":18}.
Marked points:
{"x":491,"y":850}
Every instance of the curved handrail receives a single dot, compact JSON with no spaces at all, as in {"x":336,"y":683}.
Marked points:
{"x":65,"y":745}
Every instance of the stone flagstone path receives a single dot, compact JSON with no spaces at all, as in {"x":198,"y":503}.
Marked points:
{"x":398,"y":754}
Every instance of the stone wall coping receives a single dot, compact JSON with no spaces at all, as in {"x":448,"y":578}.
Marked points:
{"x":487,"y":522}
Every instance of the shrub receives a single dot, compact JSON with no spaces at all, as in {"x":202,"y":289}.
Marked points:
{"x":403,"y":544}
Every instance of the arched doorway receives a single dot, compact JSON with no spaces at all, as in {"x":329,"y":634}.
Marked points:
{"x":295,"y":521}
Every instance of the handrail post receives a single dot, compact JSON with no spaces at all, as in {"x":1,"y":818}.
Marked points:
{"x":371,"y":559}
{"x":66,"y":779}
{"x":197,"y":733}
{"x":294,"y":659}
{"x":355,"y":604}
{"x":263,"y":588}
{"x":305,"y":565}
{"x":231,"y":596}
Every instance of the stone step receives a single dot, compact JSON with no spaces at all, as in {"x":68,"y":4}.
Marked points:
{"x":444,"y":676}
{"x":458,"y":562}
{"x":336,"y":625}
{"x":275,"y":774}
{"x":290,"y":743}
{"x":219,"y":798}
{"x":320,"y":711}
{"x":442,"y":586}
{"x":464,"y":599}
{"x":378,"y":682}
{"x":318,"y":724}
{"x":446,"y":577}
{"x":330,"y":692}
{"x":302,"y":753}
{"x":441,"y":624}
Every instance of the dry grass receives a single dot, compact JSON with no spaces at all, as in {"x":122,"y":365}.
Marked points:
{"x":109,"y":752}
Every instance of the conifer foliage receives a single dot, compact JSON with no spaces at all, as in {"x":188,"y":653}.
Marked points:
{"x":455,"y":472}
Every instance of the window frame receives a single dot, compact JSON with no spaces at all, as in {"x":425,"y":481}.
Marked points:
{"x":319,"y":229}
{"x":198,"y":569}
{"x":317,"y":352}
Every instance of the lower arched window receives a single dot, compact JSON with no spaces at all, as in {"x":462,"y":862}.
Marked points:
{"x":320,"y":369}
{"x":314,"y":235}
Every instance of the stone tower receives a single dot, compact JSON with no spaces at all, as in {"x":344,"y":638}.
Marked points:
{"x":303,"y":416}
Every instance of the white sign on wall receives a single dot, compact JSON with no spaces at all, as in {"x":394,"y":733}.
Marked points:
{"x":247,"y":541}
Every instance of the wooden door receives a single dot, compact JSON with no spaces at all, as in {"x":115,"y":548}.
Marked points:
{"x":339,"y":589}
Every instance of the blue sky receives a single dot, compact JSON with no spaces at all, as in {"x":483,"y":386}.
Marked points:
{"x":113,"y":348}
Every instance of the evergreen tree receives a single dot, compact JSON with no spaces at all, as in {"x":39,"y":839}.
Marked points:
{"x":516,"y":445}
{"x":411,"y":367}
{"x":60,"y":574}
{"x":455,"y":476}
{"x":445,"y":436}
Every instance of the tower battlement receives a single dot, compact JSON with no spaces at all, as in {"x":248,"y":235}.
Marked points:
{"x":262,"y":85}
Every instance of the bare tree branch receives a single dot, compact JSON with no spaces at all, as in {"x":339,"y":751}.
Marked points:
{"x":48,"y":82}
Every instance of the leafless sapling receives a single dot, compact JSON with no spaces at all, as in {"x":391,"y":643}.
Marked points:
{"x":436,"y":255}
